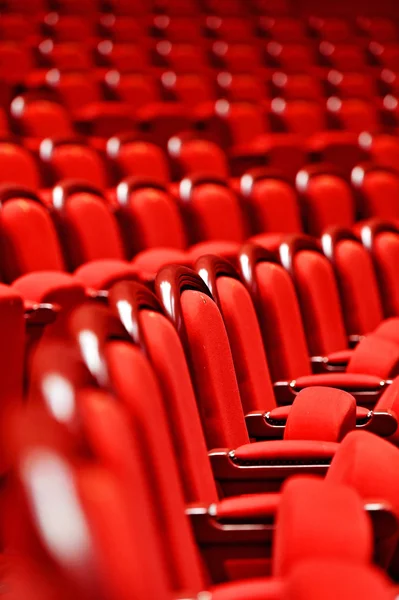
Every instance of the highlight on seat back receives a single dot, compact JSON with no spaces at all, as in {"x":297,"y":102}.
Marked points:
{"x":355,"y":272}
{"x":240,"y":320}
{"x":143,"y":318}
{"x":318,"y":518}
{"x":148,"y":215}
{"x":205,"y":201}
{"x":326,"y":198}
{"x":279,"y":314}
{"x":188,"y":303}
{"x":133,"y":156}
{"x":318,"y":295}
{"x":28,"y":234}
{"x":89,"y":230}
{"x":270,"y":202}
{"x":70,"y":159}
{"x":377,"y":189}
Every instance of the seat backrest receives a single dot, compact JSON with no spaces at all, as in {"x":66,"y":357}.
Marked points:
{"x":135,"y":384}
{"x":355,"y":273}
{"x":122,"y":57}
{"x":272,"y":206}
{"x":385,"y":252}
{"x":302,"y":117}
{"x":339,"y":579}
{"x":379,"y":194}
{"x":320,"y":303}
{"x":139,"y":158}
{"x":15,"y":62}
{"x":17,"y":166}
{"x":153,"y":220}
{"x":296,"y":86}
{"x":41,"y":118}
{"x":354,"y":114}
{"x":346,"y":57}
{"x":90,"y":230}
{"x":281,"y":323}
{"x":75,"y":89}
{"x":213,"y":371}
{"x":384,"y":151}
{"x":30,"y":238}
{"x":206,"y":204}
{"x":166,"y":354}
{"x":74,"y":161}
{"x":327,"y":201}
{"x":241,"y":87}
{"x":135,"y":89}
{"x":203,"y":334}
{"x":290,"y":57}
{"x":246,"y":344}
{"x":236,"y":58}
{"x":245,"y":121}
{"x":197,"y":156}
{"x":188,"y":88}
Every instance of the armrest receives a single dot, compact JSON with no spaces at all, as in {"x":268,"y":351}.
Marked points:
{"x":270,"y":425}
{"x":241,"y":519}
{"x":40,"y":314}
{"x":263,"y":466}
{"x":366,"y":389}
{"x":336,"y":361}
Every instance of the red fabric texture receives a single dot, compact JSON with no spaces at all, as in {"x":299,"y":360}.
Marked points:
{"x":325,"y":414}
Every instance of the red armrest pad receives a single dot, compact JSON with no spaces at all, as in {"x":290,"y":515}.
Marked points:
{"x":286,"y":450}
{"x":342,"y":357}
{"x":280,"y":412}
{"x":250,"y":505}
{"x":346,"y":381}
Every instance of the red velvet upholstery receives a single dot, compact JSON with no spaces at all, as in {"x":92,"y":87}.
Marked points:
{"x":335,"y":509}
{"x":320,"y":402}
